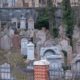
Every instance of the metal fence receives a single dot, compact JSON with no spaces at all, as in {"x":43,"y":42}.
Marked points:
{"x":5,"y":74}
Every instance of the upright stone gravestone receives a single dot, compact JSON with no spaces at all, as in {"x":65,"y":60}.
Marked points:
{"x":30,"y":23}
{"x":24,"y":43}
{"x":16,"y":41}
{"x":30,"y":51}
{"x":5,"y":71}
{"x":64,"y":44}
{"x":5,"y":42}
{"x":41,"y":36}
{"x":14,"y":20}
{"x":23,"y":23}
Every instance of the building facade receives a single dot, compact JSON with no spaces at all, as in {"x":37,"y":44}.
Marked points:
{"x":32,"y":3}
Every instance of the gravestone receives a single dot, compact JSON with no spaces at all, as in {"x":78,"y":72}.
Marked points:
{"x":64,"y":44}
{"x":41,"y":36}
{"x":30,"y":51}
{"x":5,"y":42}
{"x":30,"y":23}
{"x":5,"y":71}
{"x":23,"y":23}
{"x":11,"y":32}
{"x":78,"y":47}
{"x":15,"y":21}
{"x":56,"y":61}
{"x":16,"y":41}
{"x":48,"y":51}
{"x":76,"y":63}
{"x":24,"y":43}
{"x":55,"y":66}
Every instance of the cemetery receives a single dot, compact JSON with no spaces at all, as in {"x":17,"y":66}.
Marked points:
{"x":38,"y":44}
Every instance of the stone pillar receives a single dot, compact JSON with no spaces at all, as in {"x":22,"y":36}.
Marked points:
{"x":41,"y":70}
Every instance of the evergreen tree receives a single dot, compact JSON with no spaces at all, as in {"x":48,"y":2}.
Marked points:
{"x":50,"y":11}
{"x":68,"y":19}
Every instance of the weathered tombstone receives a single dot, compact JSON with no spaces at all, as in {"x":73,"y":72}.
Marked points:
{"x":5,"y":71}
{"x":68,"y":75}
{"x":30,"y":23}
{"x":5,"y":42}
{"x":64,"y":44}
{"x":76,"y":37}
{"x":55,"y":66}
{"x":61,"y":31}
{"x":30,"y":51}
{"x":41,"y":36}
{"x":76,"y":64}
{"x":78,"y":47}
{"x":24,"y":43}
{"x":15,"y":21}
{"x":23,"y":23}
{"x":11,"y":32}
{"x":76,"y":32}
{"x":16,"y":41}
{"x":49,"y":51}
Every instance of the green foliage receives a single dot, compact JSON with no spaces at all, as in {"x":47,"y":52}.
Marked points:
{"x":17,"y":63}
{"x":55,"y":32}
{"x":46,"y":18}
{"x":42,"y":20}
{"x":68,"y":19}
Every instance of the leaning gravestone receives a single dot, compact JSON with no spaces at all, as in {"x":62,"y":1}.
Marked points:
{"x":30,"y":51}
{"x":30,"y":23}
{"x":5,"y":71}
{"x":24,"y":43}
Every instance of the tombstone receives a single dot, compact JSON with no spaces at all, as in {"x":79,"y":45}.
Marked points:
{"x":68,"y":75}
{"x":69,"y":55}
{"x":23,"y":23}
{"x":30,"y":23}
{"x":15,"y":21}
{"x":30,"y":51}
{"x":76,"y":32}
{"x":22,"y":33}
{"x":11,"y":32}
{"x":49,"y":43}
{"x":76,"y":63}
{"x":48,"y":51}
{"x":61,"y":31}
{"x":16,"y":41}
{"x":5,"y":71}
{"x":55,"y":66}
{"x":41,"y":37}
{"x":78,"y":47}
{"x":64,"y":44}
{"x":24,"y":43}
{"x":5,"y":42}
